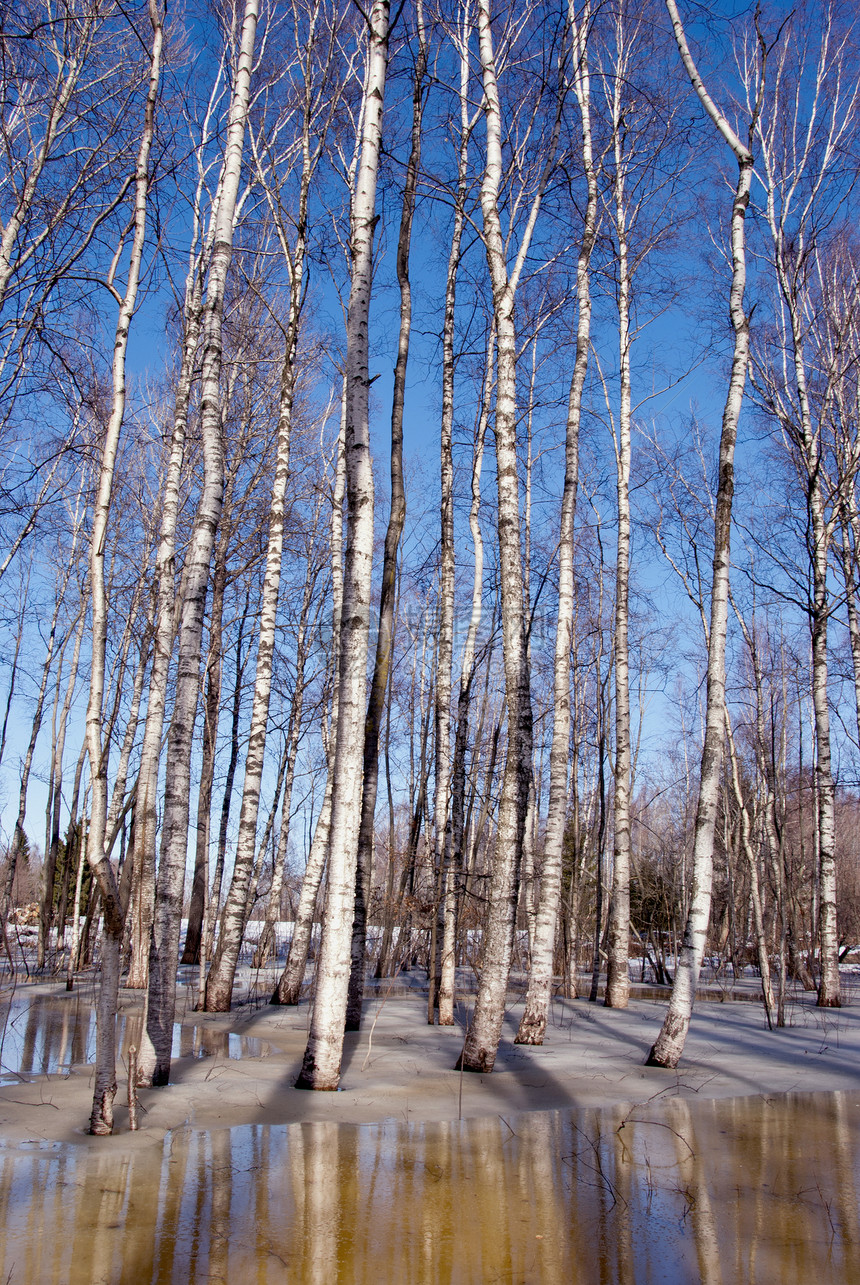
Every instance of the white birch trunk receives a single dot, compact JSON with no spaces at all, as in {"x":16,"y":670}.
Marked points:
{"x":146,"y":809}
{"x":104,"y":1091}
{"x":267,"y":940}
{"x":55,"y":797}
{"x":219,"y":983}
{"x":618,"y":925}
{"x":214,"y":671}
{"x":790,"y":245}
{"x":482,"y":1040}
{"x":291,"y":980}
{"x":166,"y":612}
{"x":448,"y":850}
{"x":755,"y":884}
{"x":533,"y":1022}
{"x":321,"y":1064}
{"x":669,"y":1044}
{"x":467,"y":664}
{"x":154,"y":1060}
{"x":829,"y":993}
{"x":288,"y":989}
{"x":290,"y":983}
{"x":847,"y":559}
{"x":119,"y":801}
{"x":388,"y":590}
{"x":294,"y":730}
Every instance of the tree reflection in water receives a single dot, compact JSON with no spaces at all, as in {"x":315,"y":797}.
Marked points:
{"x":753,"y":1189}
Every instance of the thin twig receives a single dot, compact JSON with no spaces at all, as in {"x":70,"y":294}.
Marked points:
{"x":376,"y":1018}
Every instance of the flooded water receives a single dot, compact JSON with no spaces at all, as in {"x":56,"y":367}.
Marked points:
{"x":754,"y":1190}
{"x":759,"y":1189}
{"x":47,"y":1035}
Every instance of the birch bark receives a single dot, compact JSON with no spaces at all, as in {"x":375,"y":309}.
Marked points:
{"x":767,"y":994}
{"x":213,"y":903}
{"x":388,"y":591}
{"x":321,"y":1064}
{"x":533,"y":1022}
{"x":797,"y":164}
{"x":459,"y":827}
{"x":55,"y":796}
{"x":482,"y":1040}
{"x":154,"y":1060}
{"x":848,"y":561}
{"x":481,"y":1044}
{"x":306,"y":626}
{"x":166,"y":612}
{"x":669,"y":1045}
{"x":104,"y":1091}
{"x":290,"y":982}
{"x":219,"y":983}
{"x":618,"y":924}
{"x":829,"y":993}
{"x":448,"y":852}
{"x":214,"y":672}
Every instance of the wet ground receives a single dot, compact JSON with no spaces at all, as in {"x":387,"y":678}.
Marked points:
{"x":237,"y":1177}
{"x":47,"y":1035}
{"x":751,"y":1189}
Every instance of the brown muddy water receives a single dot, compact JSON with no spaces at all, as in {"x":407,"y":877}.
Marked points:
{"x":746,"y":1189}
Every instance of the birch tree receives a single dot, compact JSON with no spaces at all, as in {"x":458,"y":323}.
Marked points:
{"x":642,"y":205}
{"x":802,"y":187}
{"x":166,"y":604}
{"x":56,"y":638}
{"x":154,"y":1063}
{"x":482,"y":1040}
{"x":70,"y":80}
{"x":397,"y":517}
{"x":292,"y":978}
{"x":55,"y":792}
{"x":321,"y":1063}
{"x":53,"y":79}
{"x":101,"y":1120}
{"x":306,"y":630}
{"x":533,"y":1021}
{"x":669,"y":1045}
{"x":448,"y":852}
{"x":219,"y":983}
